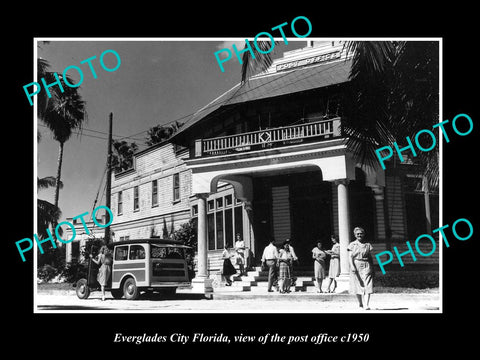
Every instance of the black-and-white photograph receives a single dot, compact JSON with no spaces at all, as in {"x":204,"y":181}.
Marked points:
{"x":196,"y":183}
{"x":224,"y":175}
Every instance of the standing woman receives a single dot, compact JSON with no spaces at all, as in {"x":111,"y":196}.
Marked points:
{"x":240,"y":249}
{"x":105,"y":262}
{"x":319,"y":257}
{"x":334,"y":269}
{"x":284,"y":276}
{"x":361,"y":268}
{"x":228,"y":268}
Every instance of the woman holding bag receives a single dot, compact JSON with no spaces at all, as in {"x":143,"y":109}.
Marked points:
{"x":228,"y":269}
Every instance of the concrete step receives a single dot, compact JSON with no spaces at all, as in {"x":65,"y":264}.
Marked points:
{"x":232,"y":289}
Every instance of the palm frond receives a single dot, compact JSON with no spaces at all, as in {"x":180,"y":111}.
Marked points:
{"x":252,"y":65}
{"x":46,"y":182}
{"x":370,"y":58}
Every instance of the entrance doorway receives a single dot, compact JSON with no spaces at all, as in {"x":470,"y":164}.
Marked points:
{"x":297,"y":206}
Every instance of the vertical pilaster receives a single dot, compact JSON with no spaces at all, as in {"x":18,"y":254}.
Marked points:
{"x":202,"y":258}
{"x":201,"y":282}
{"x":343,"y":223}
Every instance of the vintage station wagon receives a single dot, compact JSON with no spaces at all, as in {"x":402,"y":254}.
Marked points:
{"x":144,"y":264}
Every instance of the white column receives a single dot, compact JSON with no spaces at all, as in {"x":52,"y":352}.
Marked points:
{"x":68,"y":252}
{"x":201,"y":283}
{"x":202,"y":258}
{"x":343,"y":224}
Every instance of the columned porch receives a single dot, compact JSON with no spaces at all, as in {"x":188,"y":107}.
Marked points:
{"x":330,"y":158}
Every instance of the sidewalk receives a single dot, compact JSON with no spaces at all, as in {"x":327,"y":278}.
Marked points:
{"x":243,"y":302}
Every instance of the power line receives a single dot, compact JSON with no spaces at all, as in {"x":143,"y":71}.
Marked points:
{"x":208,"y":106}
{"x":80,"y":132}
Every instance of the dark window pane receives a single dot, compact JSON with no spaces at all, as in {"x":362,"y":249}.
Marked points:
{"x":121,"y":252}
{"x":229,"y":228}
{"x":238,"y":221}
{"x":154,"y":192}
{"x":211,"y":231}
{"x":210,"y":205}
{"x":135,"y":198}
{"x":137,"y":252}
{"x":219,"y":230}
{"x":176,"y":187}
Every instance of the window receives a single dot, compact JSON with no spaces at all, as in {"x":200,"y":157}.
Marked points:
{"x":224,"y":220}
{"x":120,"y":203}
{"x":135,"y":198}
{"x":415,"y":205}
{"x":121,"y":253}
{"x":211,"y":231}
{"x":124,"y":238}
{"x":176,"y":187}
{"x":160,"y":252}
{"x":238,"y":220}
{"x":228,"y":228}
{"x":137,"y":252}
{"x":154,"y":193}
{"x":210,"y":205}
{"x":219,"y":228}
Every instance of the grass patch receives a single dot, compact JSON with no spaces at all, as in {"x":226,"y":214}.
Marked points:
{"x":55,"y":286}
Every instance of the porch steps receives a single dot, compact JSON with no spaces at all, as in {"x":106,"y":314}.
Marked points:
{"x":256,"y":281}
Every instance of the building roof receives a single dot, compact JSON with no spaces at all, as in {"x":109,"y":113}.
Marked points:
{"x":276,"y":84}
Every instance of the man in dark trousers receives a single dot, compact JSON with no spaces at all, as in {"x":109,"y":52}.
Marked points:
{"x":270,"y":258}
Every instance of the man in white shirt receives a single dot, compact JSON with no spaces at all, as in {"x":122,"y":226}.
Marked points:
{"x":269,"y":258}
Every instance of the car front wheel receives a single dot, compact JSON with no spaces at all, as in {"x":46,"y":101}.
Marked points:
{"x":82,"y":289}
{"x":130,"y":289}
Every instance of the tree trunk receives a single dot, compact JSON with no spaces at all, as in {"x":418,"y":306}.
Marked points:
{"x":59,"y":173}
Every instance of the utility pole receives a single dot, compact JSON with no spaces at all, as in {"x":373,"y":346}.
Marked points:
{"x":109,"y":176}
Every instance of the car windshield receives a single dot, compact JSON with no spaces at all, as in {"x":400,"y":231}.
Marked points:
{"x":166,"y":252}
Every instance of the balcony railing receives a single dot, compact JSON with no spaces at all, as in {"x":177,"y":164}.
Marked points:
{"x":268,"y":138}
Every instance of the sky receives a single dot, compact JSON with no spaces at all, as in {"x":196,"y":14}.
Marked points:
{"x":157,"y":82}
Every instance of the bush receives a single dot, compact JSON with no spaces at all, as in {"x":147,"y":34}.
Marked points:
{"x":74,"y":272}
{"x":187,"y":234}
{"x":46,"y":273}
{"x":408,"y":279}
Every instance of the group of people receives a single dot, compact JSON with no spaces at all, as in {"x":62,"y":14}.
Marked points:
{"x":283,"y":259}
{"x":280,"y":265}
{"x":238,"y":254}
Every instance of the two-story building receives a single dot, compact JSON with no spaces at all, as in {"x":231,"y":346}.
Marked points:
{"x":268,"y":159}
{"x":277,"y":141}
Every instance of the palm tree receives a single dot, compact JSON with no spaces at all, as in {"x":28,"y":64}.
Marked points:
{"x":122,"y":158}
{"x":62,"y":113}
{"x":393,"y":94}
{"x":62,"y":116}
{"x":160,"y":133}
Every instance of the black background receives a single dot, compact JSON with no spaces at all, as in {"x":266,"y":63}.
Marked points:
{"x":390,"y":334}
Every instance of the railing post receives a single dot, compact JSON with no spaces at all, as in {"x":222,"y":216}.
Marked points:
{"x":198,"y":148}
{"x":337,"y":130}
